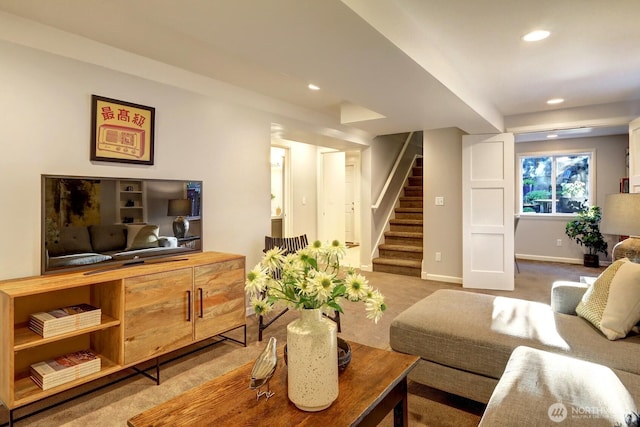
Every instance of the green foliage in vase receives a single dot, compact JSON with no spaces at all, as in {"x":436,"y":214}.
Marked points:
{"x":308,"y":279}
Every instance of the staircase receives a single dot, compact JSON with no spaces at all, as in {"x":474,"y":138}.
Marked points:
{"x":401,"y":252}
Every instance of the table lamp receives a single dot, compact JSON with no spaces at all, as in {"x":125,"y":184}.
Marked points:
{"x":621,"y":216}
{"x":179,"y":208}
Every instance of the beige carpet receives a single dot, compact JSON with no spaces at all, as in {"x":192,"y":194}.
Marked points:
{"x":114,"y":404}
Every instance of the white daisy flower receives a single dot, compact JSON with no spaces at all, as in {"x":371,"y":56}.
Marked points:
{"x":273,"y":259}
{"x":357,"y":287}
{"x":324,"y":285}
{"x":337,"y":250}
{"x":374,"y":306}
{"x":261,"y":306}
{"x":256,"y":280}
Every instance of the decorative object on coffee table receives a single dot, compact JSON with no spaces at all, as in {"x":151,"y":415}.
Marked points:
{"x":344,"y":354}
{"x":311,"y":280}
{"x":263,"y":369}
{"x":312,"y":361}
{"x":620,"y":217}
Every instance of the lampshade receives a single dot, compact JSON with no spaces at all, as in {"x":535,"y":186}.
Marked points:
{"x":179,"y":207}
{"x":621,"y":216}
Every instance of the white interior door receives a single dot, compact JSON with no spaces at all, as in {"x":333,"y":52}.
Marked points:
{"x":634,"y":156}
{"x":487,"y":211}
{"x":349,"y":204}
{"x":332,"y":199}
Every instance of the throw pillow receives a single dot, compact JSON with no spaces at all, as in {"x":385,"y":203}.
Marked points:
{"x":142,"y":236}
{"x":612,"y":303}
{"x":75,"y":240}
{"x":105,"y":238}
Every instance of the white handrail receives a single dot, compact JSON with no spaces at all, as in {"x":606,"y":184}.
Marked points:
{"x":392,"y":173}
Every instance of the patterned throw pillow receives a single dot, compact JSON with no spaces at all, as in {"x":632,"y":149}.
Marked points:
{"x":612,"y":303}
{"x":142,"y":236}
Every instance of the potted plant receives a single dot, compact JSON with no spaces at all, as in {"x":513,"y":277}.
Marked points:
{"x":585,"y":230}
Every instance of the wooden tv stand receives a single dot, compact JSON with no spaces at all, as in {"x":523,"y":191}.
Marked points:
{"x":147,"y":310}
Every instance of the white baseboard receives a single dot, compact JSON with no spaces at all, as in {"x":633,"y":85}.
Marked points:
{"x":578,"y":261}
{"x":366,"y":267}
{"x":440,"y":278}
{"x":549,"y":259}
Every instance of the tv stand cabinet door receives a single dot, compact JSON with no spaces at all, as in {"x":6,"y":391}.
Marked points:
{"x":220,"y":298}
{"x":156,"y":317}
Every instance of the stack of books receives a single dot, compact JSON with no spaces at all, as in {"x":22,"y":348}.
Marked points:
{"x":64,"y":320}
{"x":54,"y":372}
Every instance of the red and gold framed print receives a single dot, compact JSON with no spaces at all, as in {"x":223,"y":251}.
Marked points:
{"x":121,"y":131}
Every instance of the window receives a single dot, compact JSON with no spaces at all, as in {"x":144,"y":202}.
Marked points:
{"x":558,"y":183}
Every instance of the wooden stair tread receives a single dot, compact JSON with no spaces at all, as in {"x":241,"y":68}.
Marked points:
{"x":406,"y":221}
{"x":410,"y":234}
{"x":401,"y":248}
{"x":398,"y":262}
{"x":408,"y":210}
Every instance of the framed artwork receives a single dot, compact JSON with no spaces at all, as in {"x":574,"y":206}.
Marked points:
{"x":121,"y":131}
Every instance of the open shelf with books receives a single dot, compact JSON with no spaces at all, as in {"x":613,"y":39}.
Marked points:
{"x":27,"y":391}
{"x":25,"y":338}
{"x":103,"y":338}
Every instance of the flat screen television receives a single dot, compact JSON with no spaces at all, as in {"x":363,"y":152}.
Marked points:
{"x":91,"y":222}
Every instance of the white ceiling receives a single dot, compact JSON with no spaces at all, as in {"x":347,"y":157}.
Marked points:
{"x":422,"y":64}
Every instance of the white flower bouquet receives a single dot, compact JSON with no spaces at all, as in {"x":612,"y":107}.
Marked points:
{"x":311,"y":278}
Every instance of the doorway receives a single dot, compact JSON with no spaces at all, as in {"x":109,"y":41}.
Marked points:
{"x":352,"y":198}
{"x":279,"y":164}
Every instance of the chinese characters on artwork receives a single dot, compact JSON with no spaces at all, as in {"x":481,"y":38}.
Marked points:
{"x":122,"y":131}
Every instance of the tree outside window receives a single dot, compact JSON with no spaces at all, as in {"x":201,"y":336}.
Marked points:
{"x":555,"y":183}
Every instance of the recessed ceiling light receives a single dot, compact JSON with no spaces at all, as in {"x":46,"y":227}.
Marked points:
{"x":313,"y":87}
{"x":552,"y":135}
{"x":555,"y":101}
{"x":535,"y":36}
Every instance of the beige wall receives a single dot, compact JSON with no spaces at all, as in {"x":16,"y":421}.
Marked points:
{"x":536,"y":236}
{"x":44,"y":128}
{"x":443,"y":224}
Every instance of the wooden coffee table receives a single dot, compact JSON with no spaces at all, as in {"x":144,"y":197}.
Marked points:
{"x":374,"y":383}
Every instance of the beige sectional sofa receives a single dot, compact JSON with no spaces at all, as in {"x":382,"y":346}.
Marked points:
{"x":465,"y":340}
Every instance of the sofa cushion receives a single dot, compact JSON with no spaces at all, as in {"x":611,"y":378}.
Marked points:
{"x":142,"y":236}
{"x":75,"y":240}
{"x":542,"y":388}
{"x":612,"y":303}
{"x":106,"y":238}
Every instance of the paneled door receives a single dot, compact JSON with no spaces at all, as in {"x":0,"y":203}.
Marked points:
{"x":349,"y":204}
{"x":488,"y":211}
{"x":332,"y":218}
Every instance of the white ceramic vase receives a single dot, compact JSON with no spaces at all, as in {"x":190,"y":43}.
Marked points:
{"x":312,"y":361}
